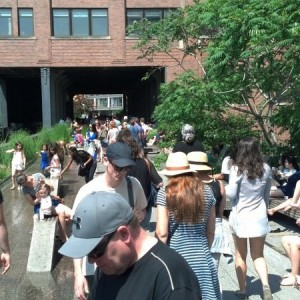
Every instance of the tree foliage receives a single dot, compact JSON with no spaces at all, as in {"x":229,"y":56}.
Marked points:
{"x":248,"y":55}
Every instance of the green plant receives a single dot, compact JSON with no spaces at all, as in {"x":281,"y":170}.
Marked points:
{"x":31,"y":143}
{"x":160,"y":159}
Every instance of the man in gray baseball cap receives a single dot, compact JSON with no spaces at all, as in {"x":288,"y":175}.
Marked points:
{"x":88,"y":229}
{"x":117,"y":163}
{"x":130,"y":263}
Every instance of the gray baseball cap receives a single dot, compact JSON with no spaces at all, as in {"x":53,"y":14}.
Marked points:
{"x":97,"y":215}
{"x":120,"y":154}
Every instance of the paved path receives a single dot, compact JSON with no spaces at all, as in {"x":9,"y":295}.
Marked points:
{"x":59,"y":285}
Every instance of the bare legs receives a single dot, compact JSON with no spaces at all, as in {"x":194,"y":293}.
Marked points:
{"x":63,"y":212}
{"x":291,"y":245}
{"x":256,"y":251}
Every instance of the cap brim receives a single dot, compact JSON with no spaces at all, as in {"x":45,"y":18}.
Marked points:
{"x":123,"y":162}
{"x":78,"y":248}
{"x":174,"y":173}
{"x":200,"y":168}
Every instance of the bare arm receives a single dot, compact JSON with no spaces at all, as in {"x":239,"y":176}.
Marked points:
{"x":4,"y":245}
{"x":162,"y":223}
{"x":80,"y":282}
{"x":223,"y":201}
{"x":210,"y":226}
{"x":67,"y":166}
{"x":33,"y":202}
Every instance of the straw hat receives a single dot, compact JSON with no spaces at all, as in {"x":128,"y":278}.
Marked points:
{"x":177,"y":163}
{"x":198,"y":161}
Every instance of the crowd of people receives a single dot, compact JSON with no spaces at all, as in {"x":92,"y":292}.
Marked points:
{"x":109,"y":244}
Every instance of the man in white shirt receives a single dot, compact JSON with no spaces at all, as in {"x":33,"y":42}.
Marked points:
{"x":117,"y":162}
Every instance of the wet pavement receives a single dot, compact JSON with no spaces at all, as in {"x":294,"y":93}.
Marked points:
{"x":17,"y":284}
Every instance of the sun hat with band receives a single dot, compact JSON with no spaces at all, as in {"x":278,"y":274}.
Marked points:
{"x":120,"y":154}
{"x":97,"y":215}
{"x":177,"y":163}
{"x":198,"y":161}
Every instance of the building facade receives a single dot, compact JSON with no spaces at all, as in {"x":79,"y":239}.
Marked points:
{"x":51,"y":50}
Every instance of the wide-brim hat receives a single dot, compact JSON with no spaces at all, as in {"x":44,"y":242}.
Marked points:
{"x":177,"y":163}
{"x":198,"y":161}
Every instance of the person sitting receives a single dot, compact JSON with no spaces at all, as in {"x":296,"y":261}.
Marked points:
{"x":291,"y":245}
{"x":289,"y":203}
{"x":53,"y":207}
{"x":289,"y":167}
{"x":286,"y":189}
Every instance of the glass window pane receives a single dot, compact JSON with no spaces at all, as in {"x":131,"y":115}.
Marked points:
{"x":5,"y":22}
{"x":134,"y":15}
{"x":61,"y":25}
{"x":153,"y":15}
{"x":80,"y":22}
{"x":99,"y":22}
{"x":25,"y":22}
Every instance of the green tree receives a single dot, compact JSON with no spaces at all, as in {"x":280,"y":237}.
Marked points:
{"x":247,"y":53}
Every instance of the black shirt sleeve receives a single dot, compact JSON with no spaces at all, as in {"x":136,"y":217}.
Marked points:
{"x":1,"y":197}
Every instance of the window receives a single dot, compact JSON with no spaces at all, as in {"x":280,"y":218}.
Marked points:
{"x":151,"y":14}
{"x":61,"y":24}
{"x":5,"y":22}
{"x":80,"y":22}
{"x":25,"y":22}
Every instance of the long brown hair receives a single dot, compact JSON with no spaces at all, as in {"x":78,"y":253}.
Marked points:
{"x":185,"y":198}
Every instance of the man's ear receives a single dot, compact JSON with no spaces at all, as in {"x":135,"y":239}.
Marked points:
{"x":124,"y":233}
{"x":105,"y":161}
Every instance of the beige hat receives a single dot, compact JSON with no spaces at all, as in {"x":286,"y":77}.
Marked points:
{"x":177,"y":163}
{"x":198,"y":161}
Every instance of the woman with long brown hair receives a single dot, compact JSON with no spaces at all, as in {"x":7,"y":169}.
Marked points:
{"x":249,"y":191}
{"x":186,"y":221}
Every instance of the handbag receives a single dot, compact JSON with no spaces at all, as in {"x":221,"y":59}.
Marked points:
{"x":81,"y":170}
{"x":153,"y":189}
{"x":153,"y":195}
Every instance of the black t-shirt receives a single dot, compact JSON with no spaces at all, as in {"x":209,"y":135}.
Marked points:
{"x":188,"y":147}
{"x":145,"y":175}
{"x":1,"y":197}
{"x":159,"y":275}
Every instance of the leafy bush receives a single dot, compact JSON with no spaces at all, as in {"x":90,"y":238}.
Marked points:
{"x":31,"y":143}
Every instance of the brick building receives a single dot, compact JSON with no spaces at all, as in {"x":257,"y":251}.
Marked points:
{"x":51,"y":50}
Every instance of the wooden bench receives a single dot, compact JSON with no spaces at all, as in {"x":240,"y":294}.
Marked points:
{"x":41,"y":252}
{"x":292,"y":213}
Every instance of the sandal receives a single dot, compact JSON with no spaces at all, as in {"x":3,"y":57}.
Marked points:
{"x":240,"y":295}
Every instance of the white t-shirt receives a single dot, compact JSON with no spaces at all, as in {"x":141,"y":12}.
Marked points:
{"x":46,"y":205}
{"x":98,"y":185}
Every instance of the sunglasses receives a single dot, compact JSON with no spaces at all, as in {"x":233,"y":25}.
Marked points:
{"x":120,"y":169}
{"x":99,"y":250}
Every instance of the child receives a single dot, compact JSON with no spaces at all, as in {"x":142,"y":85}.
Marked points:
{"x":52,"y":207}
{"x":18,"y":162}
{"x":55,"y":165}
{"x":44,"y":157}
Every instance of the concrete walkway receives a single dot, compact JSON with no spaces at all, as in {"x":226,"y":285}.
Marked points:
{"x":59,"y":284}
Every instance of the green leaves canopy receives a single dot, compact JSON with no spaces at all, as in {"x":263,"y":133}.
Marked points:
{"x":249,"y":53}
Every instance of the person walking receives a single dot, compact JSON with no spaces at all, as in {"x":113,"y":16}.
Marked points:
{"x":189,"y":142}
{"x":130,"y":263}
{"x":186,"y":221}
{"x":249,"y":191}
{"x":4,"y":244}
{"x":198,"y":161}
{"x":117,"y":162}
